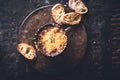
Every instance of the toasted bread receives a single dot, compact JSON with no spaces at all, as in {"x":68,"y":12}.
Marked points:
{"x":57,"y":12}
{"x":26,"y":50}
{"x":78,"y":6}
{"x":71,"y":18}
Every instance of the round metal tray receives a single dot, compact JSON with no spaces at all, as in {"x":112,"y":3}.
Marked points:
{"x":69,"y":58}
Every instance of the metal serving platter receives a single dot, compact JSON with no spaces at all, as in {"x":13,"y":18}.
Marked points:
{"x":69,"y":58}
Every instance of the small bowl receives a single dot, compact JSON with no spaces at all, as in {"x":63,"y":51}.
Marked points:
{"x":50,"y":40}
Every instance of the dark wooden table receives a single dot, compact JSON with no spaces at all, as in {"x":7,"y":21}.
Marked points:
{"x":96,"y":64}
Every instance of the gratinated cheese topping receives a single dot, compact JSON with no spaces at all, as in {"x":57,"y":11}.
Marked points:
{"x":53,"y":40}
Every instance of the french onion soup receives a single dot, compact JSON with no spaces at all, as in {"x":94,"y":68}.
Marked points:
{"x":51,"y":41}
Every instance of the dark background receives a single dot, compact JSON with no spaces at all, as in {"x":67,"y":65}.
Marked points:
{"x":96,"y":64}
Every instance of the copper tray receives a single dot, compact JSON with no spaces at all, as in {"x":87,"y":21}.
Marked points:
{"x":69,"y":58}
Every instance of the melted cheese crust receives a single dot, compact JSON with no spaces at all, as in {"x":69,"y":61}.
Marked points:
{"x":53,"y":40}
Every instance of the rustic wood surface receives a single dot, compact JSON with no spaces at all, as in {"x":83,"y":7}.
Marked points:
{"x":97,"y":62}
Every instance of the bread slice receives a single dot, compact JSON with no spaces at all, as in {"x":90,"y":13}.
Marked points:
{"x":78,"y":6}
{"x":26,"y":50}
{"x":57,"y":12}
{"x":71,"y":18}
